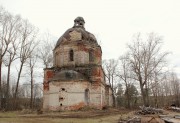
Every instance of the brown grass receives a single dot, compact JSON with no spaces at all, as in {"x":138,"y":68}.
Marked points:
{"x":95,"y":116}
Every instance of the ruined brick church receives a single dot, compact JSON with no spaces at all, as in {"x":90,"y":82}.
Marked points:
{"x":77,"y":78}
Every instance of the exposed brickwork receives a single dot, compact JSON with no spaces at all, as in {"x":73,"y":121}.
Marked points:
{"x":48,"y":74}
{"x":82,"y":47}
{"x":76,"y":106}
{"x":45,"y":86}
{"x":76,"y":78}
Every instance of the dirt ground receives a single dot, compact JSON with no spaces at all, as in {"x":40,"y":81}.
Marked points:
{"x":92,"y":116}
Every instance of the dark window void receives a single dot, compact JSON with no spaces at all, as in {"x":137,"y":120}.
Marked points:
{"x":63,"y":89}
{"x":61,"y":98}
{"x":86,"y":94}
{"x":61,"y":104}
{"x":91,"y":55}
{"x":71,"y":55}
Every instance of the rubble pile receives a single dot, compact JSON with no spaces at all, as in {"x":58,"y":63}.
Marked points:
{"x":144,"y":119}
{"x":173,"y":108}
{"x":148,"y":110}
{"x":153,"y":115}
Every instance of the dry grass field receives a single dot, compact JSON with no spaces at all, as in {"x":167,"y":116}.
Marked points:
{"x":87,"y":116}
{"x":105,"y":116}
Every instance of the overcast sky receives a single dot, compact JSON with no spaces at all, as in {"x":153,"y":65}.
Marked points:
{"x":113,"y":22}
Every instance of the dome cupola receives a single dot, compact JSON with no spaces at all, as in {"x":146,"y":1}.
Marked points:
{"x":79,"y":22}
{"x":77,"y":33}
{"x":77,"y":47}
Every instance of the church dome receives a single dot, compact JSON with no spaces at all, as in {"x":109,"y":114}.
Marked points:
{"x":77,"y":47}
{"x":77,"y":33}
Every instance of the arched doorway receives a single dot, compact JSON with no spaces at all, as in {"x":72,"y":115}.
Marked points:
{"x":87,"y":97}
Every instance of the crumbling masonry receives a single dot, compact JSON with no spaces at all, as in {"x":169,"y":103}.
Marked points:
{"x":76,"y":78}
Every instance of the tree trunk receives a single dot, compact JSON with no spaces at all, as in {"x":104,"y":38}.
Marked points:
{"x":156,"y":101}
{"x":113,"y":98}
{"x":143,"y":95}
{"x":128,"y":98}
{"x":0,"y":81}
{"x":7,"y":89}
{"x":17,"y":84}
{"x":31,"y":102}
{"x":147,"y":95}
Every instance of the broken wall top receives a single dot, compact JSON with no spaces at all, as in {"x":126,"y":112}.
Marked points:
{"x":77,"y":33}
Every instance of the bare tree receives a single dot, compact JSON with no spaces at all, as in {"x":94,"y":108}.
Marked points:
{"x":156,"y":82}
{"x":125,"y":75}
{"x":37,"y":96}
{"x":175,"y":86}
{"x":9,"y":29}
{"x":45,"y":50}
{"x":110,"y":67}
{"x":31,"y":64}
{"x":145,"y":57}
{"x":167,"y":87}
{"x":4,"y":40}
{"x":131,"y":94}
{"x":28,"y":36}
{"x":10,"y":57}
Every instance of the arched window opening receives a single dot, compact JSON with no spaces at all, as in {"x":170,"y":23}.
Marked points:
{"x":71,"y":55}
{"x":87,"y":96}
{"x":91,"y":55}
